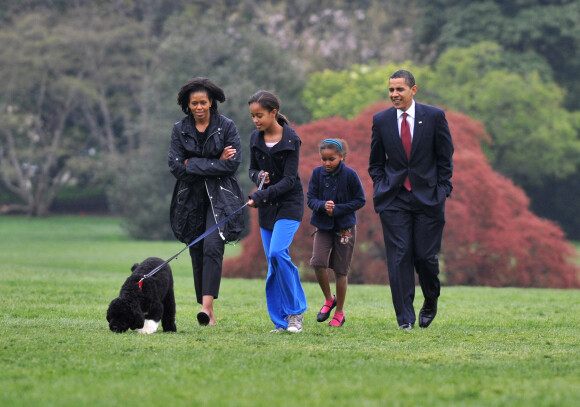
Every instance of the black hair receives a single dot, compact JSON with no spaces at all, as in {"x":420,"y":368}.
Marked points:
{"x":199,"y":84}
{"x":408,"y":76}
{"x":331,"y":144}
{"x":268,"y":101}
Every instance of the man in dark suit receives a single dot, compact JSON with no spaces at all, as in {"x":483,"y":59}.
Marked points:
{"x":411,"y":166}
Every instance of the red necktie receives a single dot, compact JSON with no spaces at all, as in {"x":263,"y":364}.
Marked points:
{"x":406,"y":139}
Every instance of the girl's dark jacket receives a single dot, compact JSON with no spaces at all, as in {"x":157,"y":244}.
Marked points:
{"x":283,"y":196}
{"x":344,"y":188}
{"x":205,"y":178}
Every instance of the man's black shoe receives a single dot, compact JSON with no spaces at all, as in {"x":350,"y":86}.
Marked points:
{"x":428,"y":312}
{"x":406,"y":327}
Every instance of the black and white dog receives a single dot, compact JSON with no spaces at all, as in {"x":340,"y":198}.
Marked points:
{"x":143,"y":307}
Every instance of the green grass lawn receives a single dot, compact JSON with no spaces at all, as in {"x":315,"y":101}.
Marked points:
{"x":487,"y":346}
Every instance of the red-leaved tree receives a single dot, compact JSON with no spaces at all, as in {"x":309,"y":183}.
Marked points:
{"x":491,"y":237}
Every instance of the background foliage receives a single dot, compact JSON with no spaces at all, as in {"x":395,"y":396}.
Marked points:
{"x":533,"y":139}
{"x":491,"y":237}
{"x":533,"y":34}
{"x":88,"y":88}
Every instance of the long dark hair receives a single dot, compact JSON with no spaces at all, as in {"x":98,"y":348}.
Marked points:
{"x":268,"y":101}
{"x":214,"y":93}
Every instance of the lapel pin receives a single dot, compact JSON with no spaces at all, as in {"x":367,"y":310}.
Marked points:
{"x":420,"y":122}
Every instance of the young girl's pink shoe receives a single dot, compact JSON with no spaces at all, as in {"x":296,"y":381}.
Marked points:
{"x":324,"y":312}
{"x":337,"y":320}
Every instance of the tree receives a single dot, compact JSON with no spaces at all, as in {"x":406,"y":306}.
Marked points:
{"x":36,"y":108}
{"x":552,"y":200}
{"x":67,"y":95}
{"x":532,"y":136}
{"x":347,"y":92}
{"x":491,"y":237}
{"x":326,"y":34}
{"x":239,"y":61}
{"x":533,"y":139}
{"x":543,"y":32}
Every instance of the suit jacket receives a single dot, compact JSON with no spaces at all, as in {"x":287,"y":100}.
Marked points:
{"x":429,"y":167}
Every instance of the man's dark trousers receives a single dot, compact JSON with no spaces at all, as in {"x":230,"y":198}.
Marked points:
{"x":408,"y":220}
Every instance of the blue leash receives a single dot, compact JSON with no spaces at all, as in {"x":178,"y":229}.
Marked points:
{"x":200,"y":238}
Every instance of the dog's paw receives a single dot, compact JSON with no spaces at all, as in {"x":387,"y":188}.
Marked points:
{"x":150,"y":327}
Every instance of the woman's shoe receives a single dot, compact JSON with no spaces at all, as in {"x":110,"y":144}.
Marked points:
{"x":324,"y":312}
{"x":337,"y":320}
{"x":203,"y":318}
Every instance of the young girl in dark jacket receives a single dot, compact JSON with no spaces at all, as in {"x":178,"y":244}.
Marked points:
{"x":335,"y":193}
{"x":275,"y":152}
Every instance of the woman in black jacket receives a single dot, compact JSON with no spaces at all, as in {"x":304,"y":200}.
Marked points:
{"x":275,"y":153}
{"x":204,"y":154}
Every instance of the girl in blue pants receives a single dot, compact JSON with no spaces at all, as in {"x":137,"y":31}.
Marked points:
{"x":275,"y":153}
{"x":284,"y":293}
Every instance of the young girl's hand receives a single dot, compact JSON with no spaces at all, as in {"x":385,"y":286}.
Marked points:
{"x":251,"y":203}
{"x":329,"y":207}
{"x":267,"y":176}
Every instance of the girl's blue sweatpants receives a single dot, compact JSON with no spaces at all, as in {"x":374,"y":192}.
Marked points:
{"x":284,"y":293}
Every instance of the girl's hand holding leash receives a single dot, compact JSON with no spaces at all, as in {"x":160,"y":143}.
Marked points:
{"x":265,"y":179}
